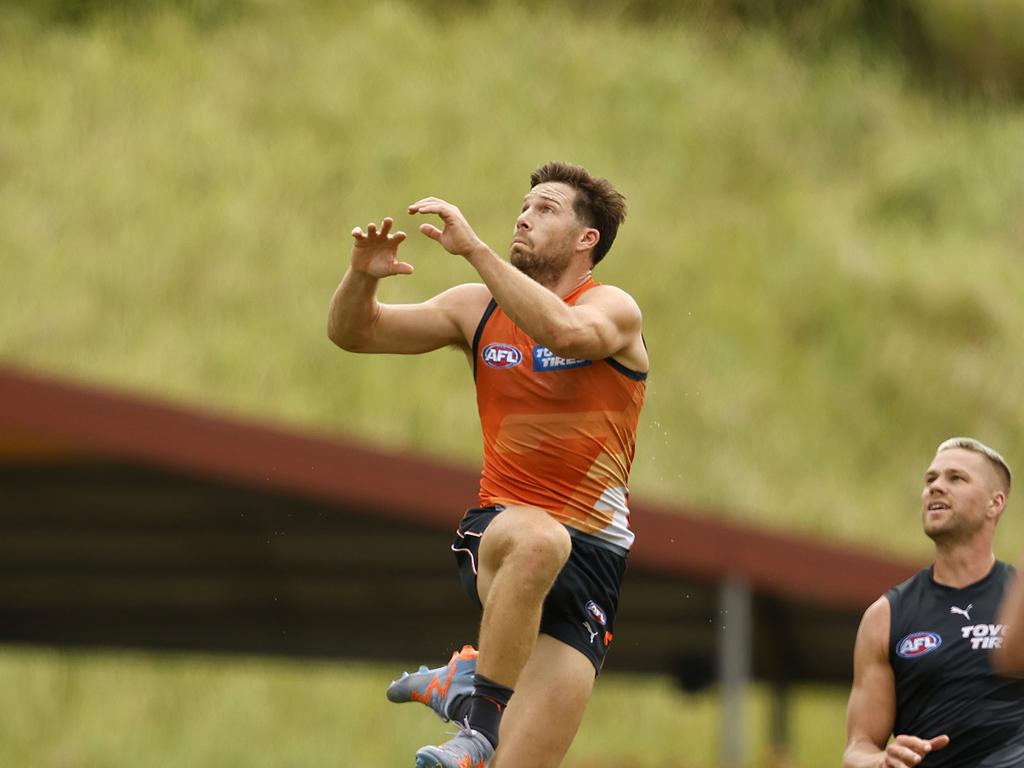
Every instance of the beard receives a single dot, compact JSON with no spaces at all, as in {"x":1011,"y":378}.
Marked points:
{"x":955,"y":530}
{"x":545,"y":268}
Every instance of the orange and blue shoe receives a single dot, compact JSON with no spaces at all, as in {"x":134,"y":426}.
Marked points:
{"x":437,"y":688}
{"x":468,"y":749}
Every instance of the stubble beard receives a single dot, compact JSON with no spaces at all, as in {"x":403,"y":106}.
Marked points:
{"x":546,"y":269}
{"x":956,"y":530}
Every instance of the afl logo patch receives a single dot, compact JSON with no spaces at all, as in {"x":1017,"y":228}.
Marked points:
{"x":501,"y":355}
{"x":595,"y":610}
{"x":918,"y":644}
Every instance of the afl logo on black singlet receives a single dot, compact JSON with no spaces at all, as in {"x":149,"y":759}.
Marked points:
{"x":501,"y":355}
{"x":918,"y":644}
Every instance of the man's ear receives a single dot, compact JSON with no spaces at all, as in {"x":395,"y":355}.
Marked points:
{"x":997,"y":503}
{"x":589,"y":238}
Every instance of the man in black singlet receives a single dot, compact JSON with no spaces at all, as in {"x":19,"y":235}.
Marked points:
{"x":923,"y":658}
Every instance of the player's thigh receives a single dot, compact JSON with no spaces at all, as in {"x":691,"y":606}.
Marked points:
{"x":546,"y":711}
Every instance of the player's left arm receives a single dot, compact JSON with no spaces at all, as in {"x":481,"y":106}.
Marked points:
{"x":605,"y":322}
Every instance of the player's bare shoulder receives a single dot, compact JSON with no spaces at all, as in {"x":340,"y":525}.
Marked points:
{"x":878,"y":613}
{"x":612,"y":297}
{"x":625,"y":317}
{"x":873,"y":634}
{"x":465,"y":304}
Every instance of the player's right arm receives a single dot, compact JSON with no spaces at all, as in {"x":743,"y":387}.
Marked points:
{"x":357,"y":322}
{"x":871,"y":711}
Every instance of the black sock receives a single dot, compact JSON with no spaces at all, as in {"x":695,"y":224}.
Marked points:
{"x":458,"y":707}
{"x":486,"y":705}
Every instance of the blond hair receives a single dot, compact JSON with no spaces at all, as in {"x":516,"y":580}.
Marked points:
{"x":970,"y":444}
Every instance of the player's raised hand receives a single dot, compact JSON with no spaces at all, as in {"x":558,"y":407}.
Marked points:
{"x":907,"y":751}
{"x":375,"y":251}
{"x":457,"y":237}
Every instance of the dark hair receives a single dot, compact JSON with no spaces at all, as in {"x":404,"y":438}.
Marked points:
{"x":597,"y":203}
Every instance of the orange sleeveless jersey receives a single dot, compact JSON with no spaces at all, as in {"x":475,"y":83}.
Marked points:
{"x":558,"y":433}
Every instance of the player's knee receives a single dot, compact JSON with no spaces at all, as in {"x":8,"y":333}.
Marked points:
{"x":542,"y":550}
{"x":530,"y":541}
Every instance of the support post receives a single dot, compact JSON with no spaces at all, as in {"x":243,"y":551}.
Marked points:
{"x":734,"y":666}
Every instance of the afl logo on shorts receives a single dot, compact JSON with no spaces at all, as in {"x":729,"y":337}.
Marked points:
{"x":595,"y":610}
{"x":918,"y":644}
{"x":501,"y":355}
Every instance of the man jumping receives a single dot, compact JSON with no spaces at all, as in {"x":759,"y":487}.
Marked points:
{"x":560,"y":368}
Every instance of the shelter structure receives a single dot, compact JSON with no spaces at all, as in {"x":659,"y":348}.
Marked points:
{"x":130,"y":522}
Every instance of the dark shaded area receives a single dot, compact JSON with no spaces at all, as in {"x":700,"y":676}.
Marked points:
{"x":112,"y":554}
{"x":966,"y":53}
{"x":81,"y":12}
{"x":954,"y":52}
{"x":105,"y":554}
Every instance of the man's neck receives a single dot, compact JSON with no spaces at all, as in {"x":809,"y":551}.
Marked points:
{"x":567,"y":282}
{"x":963,"y":564}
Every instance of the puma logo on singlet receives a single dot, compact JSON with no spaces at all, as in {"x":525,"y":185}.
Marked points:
{"x":965,"y":612}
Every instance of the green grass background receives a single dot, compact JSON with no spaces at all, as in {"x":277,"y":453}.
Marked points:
{"x":828,"y":258}
{"x":185,"y":711}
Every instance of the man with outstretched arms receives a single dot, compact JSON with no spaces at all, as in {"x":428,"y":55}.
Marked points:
{"x":922,"y":666}
{"x":560,"y":366}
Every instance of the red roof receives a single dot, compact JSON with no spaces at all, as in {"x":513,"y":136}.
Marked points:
{"x":40,"y":413}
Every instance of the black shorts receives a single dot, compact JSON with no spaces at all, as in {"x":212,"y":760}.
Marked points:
{"x":580,"y":608}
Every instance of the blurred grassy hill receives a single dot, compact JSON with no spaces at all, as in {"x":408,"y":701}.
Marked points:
{"x":828,"y":256}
